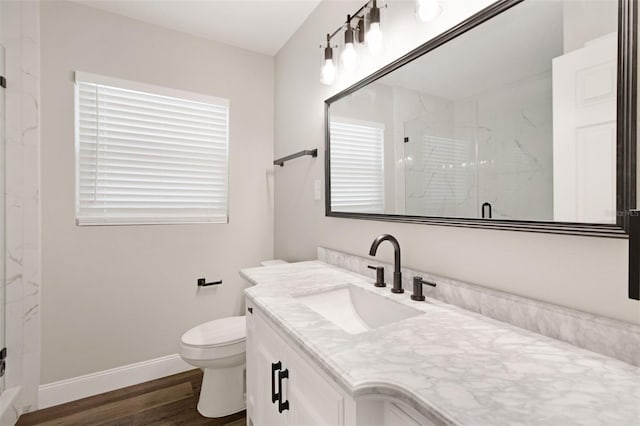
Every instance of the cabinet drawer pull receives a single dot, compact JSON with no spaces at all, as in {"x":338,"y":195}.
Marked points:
{"x":275,"y":366}
{"x":282,"y":406}
{"x":250,"y":309}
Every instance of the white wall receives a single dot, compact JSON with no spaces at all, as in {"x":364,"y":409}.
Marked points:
{"x":585,"y":273}
{"x":116,"y":295}
{"x":585,"y":20}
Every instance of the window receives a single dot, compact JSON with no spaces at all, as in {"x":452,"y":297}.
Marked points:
{"x":149,"y":155}
{"x":357,"y":166}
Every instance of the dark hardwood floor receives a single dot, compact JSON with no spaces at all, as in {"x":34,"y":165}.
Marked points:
{"x":168,"y":401}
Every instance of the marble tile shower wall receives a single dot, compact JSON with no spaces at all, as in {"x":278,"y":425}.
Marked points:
{"x":514,"y":133}
{"x":20,"y":36}
{"x":616,"y":339}
{"x":492,"y":147}
{"x":426,"y":124}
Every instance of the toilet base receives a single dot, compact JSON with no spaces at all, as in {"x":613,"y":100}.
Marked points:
{"x":223,"y":391}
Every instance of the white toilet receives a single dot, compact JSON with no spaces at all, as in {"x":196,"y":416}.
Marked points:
{"x":218,"y":348}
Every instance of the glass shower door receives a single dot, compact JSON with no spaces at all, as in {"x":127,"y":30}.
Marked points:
{"x":2,"y":220}
{"x":440,"y":171}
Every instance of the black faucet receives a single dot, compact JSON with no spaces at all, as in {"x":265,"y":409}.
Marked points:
{"x":397,"y":275}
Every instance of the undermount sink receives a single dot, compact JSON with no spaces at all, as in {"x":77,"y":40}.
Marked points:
{"x":356,"y":310}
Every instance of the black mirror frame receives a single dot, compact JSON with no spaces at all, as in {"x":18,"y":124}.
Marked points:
{"x":628,"y":222}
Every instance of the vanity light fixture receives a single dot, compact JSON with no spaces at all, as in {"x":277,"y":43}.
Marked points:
{"x":362,"y":34}
{"x":374,"y":35}
{"x":428,"y":10}
{"x":328,"y":72}
{"x":349,"y":55}
{"x":367,"y":31}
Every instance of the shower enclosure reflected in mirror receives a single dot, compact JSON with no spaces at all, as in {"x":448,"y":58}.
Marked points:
{"x":513,"y":120}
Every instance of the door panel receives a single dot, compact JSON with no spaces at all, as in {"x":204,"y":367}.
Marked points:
{"x":596,"y":179}
{"x":584,"y":133}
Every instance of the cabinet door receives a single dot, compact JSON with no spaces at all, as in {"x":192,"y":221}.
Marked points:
{"x":264,"y":348}
{"x":313,"y":399}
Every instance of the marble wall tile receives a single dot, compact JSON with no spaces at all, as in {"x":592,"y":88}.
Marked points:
{"x":494,"y":146}
{"x":31,"y":303}
{"x":20,"y":37}
{"x":515,"y":149}
{"x":30,"y":380}
{"x":10,"y":407}
{"x":433,"y":188}
{"x":13,"y":249}
{"x":616,"y":339}
{"x":13,"y":340}
{"x":14,"y":151}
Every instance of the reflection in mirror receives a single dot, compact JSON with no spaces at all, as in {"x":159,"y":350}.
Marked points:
{"x":514,"y":119}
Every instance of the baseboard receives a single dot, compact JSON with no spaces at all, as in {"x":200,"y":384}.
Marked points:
{"x":79,"y":387}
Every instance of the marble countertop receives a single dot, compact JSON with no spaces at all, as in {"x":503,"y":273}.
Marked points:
{"x":452,"y":365}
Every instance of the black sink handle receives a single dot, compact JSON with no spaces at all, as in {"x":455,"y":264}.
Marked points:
{"x":379,"y":275}
{"x":418,"y":282}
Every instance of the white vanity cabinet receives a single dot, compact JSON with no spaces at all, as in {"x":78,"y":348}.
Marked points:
{"x":264,"y":347}
{"x":285,"y":388}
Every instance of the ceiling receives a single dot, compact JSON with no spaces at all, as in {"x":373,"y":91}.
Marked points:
{"x":262,"y":26}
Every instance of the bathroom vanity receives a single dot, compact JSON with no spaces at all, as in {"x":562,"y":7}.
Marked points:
{"x":285,"y":387}
{"x":310,"y":360}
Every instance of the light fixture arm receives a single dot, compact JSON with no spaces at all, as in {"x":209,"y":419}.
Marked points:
{"x":357,"y":14}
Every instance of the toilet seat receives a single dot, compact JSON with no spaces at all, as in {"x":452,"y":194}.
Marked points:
{"x":217,"y":339}
{"x":220,"y":332}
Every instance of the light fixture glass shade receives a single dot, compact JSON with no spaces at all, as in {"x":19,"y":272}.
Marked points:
{"x":374,"y":38}
{"x":427,"y":10}
{"x":349,"y":57}
{"x":328,"y":72}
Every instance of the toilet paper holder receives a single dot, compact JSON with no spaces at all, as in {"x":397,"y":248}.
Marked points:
{"x":202,"y":282}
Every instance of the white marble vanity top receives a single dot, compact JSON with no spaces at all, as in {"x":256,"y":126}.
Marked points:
{"x":450,"y":364}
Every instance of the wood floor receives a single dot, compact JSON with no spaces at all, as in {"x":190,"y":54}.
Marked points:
{"x":168,"y":401}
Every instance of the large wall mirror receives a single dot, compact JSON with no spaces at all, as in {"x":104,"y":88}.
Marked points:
{"x":521,"y":118}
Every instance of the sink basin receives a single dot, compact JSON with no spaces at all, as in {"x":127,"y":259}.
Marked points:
{"x":356,"y":310}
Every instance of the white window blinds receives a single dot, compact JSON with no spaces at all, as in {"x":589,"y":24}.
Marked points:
{"x":357,"y":167}
{"x":148,"y":154}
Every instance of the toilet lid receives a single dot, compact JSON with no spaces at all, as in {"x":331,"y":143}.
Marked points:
{"x":220,"y":332}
